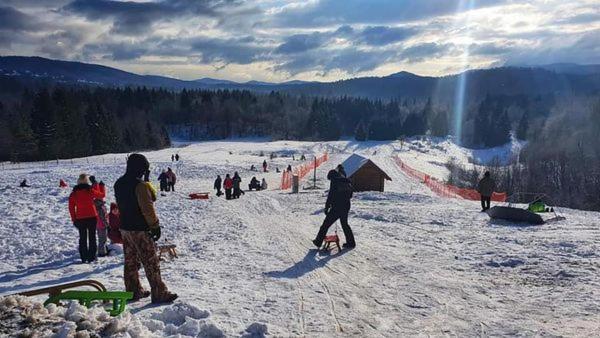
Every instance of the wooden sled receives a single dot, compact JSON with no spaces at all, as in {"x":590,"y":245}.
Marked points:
{"x":56,"y":293}
{"x":331,"y":239}
{"x":198,"y":196}
{"x":168,"y":249}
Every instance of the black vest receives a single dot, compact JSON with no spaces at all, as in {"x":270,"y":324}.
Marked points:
{"x":131,"y":215}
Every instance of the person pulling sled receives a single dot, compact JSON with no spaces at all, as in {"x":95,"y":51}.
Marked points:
{"x":337,"y":207}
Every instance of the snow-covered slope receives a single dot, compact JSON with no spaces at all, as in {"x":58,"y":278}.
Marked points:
{"x":424,"y":265}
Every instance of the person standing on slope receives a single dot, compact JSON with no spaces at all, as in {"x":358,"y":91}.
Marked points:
{"x":263,"y":184}
{"x":228,"y":185}
{"x":172,"y":179}
{"x":102,"y":223}
{"x":237,"y":181}
{"x":163,"y":181}
{"x":217,"y":185}
{"x":486,"y":188}
{"x":265,"y":166}
{"x":140,"y":228}
{"x":337,"y":207}
{"x":84,"y":216}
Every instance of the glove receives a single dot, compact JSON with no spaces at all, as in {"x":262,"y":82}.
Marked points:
{"x":93,"y":179}
{"x":154,"y":233}
{"x":101,"y":183}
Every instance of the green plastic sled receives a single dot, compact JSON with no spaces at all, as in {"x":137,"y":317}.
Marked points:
{"x":85,"y":298}
{"x":537,"y":206}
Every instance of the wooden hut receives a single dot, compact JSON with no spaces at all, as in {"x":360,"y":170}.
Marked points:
{"x":365,"y":175}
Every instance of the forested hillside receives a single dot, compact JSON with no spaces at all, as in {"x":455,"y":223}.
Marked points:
{"x":42,"y":120}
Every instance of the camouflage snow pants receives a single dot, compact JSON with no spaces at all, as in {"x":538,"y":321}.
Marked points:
{"x":140,"y":251}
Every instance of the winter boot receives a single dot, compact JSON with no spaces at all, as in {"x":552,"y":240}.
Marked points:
{"x":166,"y":298}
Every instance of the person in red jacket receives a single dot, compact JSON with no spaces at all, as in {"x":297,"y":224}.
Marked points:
{"x":84,"y":216}
{"x":228,"y":185}
{"x":114,"y":221}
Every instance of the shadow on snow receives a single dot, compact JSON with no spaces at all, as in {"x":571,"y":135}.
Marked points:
{"x":308,"y":264}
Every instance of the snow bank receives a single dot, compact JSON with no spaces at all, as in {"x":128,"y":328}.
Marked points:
{"x":23,"y":317}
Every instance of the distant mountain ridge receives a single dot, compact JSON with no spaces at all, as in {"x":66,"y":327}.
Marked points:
{"x":528,"y":80}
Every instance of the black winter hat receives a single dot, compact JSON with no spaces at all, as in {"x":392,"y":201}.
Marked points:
{"x":332,"y":174}
{"x":137,"y":164}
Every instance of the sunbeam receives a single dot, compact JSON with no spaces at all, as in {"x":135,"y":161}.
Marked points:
{"x":460,"y":90}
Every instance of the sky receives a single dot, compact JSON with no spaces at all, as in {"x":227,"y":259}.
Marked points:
{"x":312,"y":40}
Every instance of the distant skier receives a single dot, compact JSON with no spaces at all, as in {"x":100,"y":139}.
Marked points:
{"x":114,"y":222}
{"x":486,"y":188}
{"x":140,"y":229}
{"x":264,"y":166}
{"x":263,"y":184}
{"x":217,"y":185}
{"x":172,"y":158}
{"x":252,"y":168}
{"x":303,"y":158}
{"x":84,"y":216}
{"x":237,"y":182}
{"x":289,"y":167}
{"x":177,"y":157}
{"x":228,"y":185}
{"x":163,"y":180}
{"x":172,"y":179}
{"x":102,"y":222}
{"x":340,"y":169}
{"x":337,"y":207}
{"x":24,"y":184}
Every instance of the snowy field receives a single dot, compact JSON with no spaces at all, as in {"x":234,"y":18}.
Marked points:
{"x":423,"y":265}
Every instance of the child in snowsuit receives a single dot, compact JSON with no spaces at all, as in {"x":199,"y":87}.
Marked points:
{"x":102,"y":222}
{"x":84,"y":216}
{"x":228,"y":185}
{"x":114,"y":221}
{"x":263,"y":184}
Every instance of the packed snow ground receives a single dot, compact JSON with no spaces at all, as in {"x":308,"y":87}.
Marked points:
{"x":424,"y":265}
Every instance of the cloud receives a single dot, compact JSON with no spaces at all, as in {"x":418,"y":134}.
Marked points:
{"x":303,"y":42}
{"x":332,"y":12}
{"x":133,"y":18}
{"x":582,"y":18}
{"x":15,"y":20}
{"x":383,"y":35}
{"x":424,"y":51}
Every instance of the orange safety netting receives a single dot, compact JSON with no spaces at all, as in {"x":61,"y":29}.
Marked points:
{"x":301,"y":170}
{"x":444,"y":189}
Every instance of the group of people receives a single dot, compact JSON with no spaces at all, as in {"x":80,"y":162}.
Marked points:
{"x":174,"y":157}
{"x":87,"y":209}
{"x":232,"y":186}
{"x":167,"y":180}
{"x":132,"y":221}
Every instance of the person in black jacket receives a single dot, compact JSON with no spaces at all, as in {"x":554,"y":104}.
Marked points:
{"x":163,"y":178}
{"x":140,"y":228}
{"x":237,"y":189}
{"x":217,"y":185}
{"x":337,"y":207}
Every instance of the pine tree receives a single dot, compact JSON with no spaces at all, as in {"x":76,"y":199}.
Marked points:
{"x":523,"y":127}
